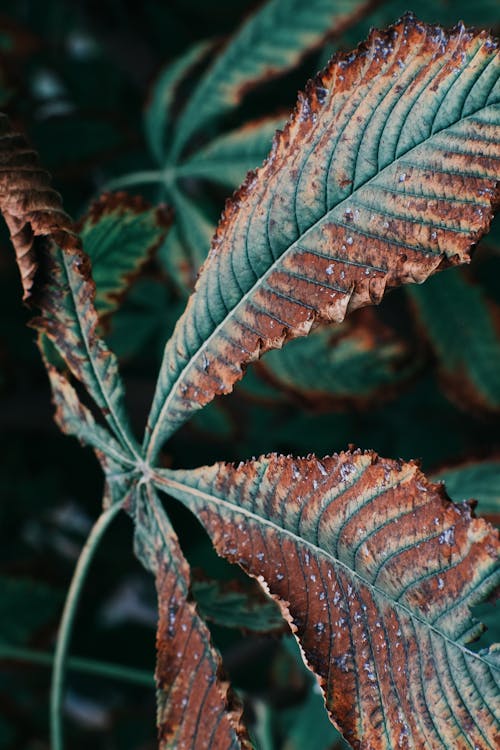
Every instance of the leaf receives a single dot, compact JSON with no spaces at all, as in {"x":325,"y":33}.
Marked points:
{"x":376,"y":572}
{"x":268,"y":44}
{"x":477,"y":479}
{"x":56,"y":278}
{"x":465,"y":338}
{"x":25,"y":606}
{"x":120,"y":233}
{"x":195,"y":230}
{"x":159,"y":113}
{"x":233,"y":604}
{"x":229,"y":157}
{"x":359,"y":361}
{"x":385,"y":174}
{"x":195,"y":706}
{"x":29,"y":205}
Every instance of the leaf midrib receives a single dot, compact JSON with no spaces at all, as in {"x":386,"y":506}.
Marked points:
{"x":150,"y":444}
{"x":165,"y":482}
{"x":121,"y":433}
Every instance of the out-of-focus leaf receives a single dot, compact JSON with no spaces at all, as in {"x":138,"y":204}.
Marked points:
{"x":229,"y":157}
{"x":308,"y":726}
{"x":195,"y":229}
{"x":351,"y":365}
{"x":236,"y":605}
{"x":145,"y":320}
{"x":25,"y":606}
{"x":159,"y":114}
{"x":376,"y":571}
{"x":384,"y":175}
{"x":119,"y":234}
{"x":463,"y":328}
{"x":195,"y":706}
{"x":268,"y":44}
{"x":477,"y":479}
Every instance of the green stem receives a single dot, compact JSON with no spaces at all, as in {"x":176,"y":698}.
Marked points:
{"x":136,"y":178}
{"x":67,"y":620}
{"x":88,"y":666}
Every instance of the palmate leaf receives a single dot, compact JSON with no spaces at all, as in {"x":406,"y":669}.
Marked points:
{"x":464,"y":337}
{"x":120,"y":233}
{"x":376,"y":571}
{"x":57,"y":280}
{"x":195,"y":706}
{"x":386,"y":173}
{"x":268,"y":44}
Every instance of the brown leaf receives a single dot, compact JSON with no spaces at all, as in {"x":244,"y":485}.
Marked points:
{"x":196,"y":708}
{"x":376,"y":571}
{"x":30,"y":206}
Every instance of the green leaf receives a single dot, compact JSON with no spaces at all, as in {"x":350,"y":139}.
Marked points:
{"x":195,"y":230}
{"x":25,"y":606}
{"x":159,"y":113}
{"x":235,"y":605}
{"x":229,"y":157}
{"x":119,"y":233}
{"x":268,"y":44}
{"x":372,"y":184}
{"x":376,"y":571}
{"x":357,"y":362}
{"x":462,"y":327}
{"x":195,"y":707}
{"x":477,"y":479}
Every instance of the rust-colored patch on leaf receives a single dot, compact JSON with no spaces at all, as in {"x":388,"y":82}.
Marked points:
{"x":366,"y":188}
{"x":376,"y":571}
{"x":30,"y":206}
{"x":196,"y":708}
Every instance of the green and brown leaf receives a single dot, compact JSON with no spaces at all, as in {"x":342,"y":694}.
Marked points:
{"x":196,"y":708}
{"x":376,"y":571}
{"x":386,"y":173}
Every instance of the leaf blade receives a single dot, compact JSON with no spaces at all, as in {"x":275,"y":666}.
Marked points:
{"x":376,"y":591}
{"x":195,"y":707}
{"x":334,"y":217}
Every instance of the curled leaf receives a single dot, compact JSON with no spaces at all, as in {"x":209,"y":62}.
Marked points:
{"x":376,"y":571}
{"x":386,"y":173}
{"x":30,"y":206}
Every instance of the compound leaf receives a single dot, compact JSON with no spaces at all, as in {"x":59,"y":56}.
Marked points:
{"x":119,"y":234}
{"x":195,"y":706}
{"x":376,"y":571}
{"x":268,"y":44}
{"x":463,"y":327}
{"x":386,"y":173}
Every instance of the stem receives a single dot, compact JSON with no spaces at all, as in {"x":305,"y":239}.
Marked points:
{"x":136,"y":178}
{"x":88,"y":666}
{"x":67,"y":620}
